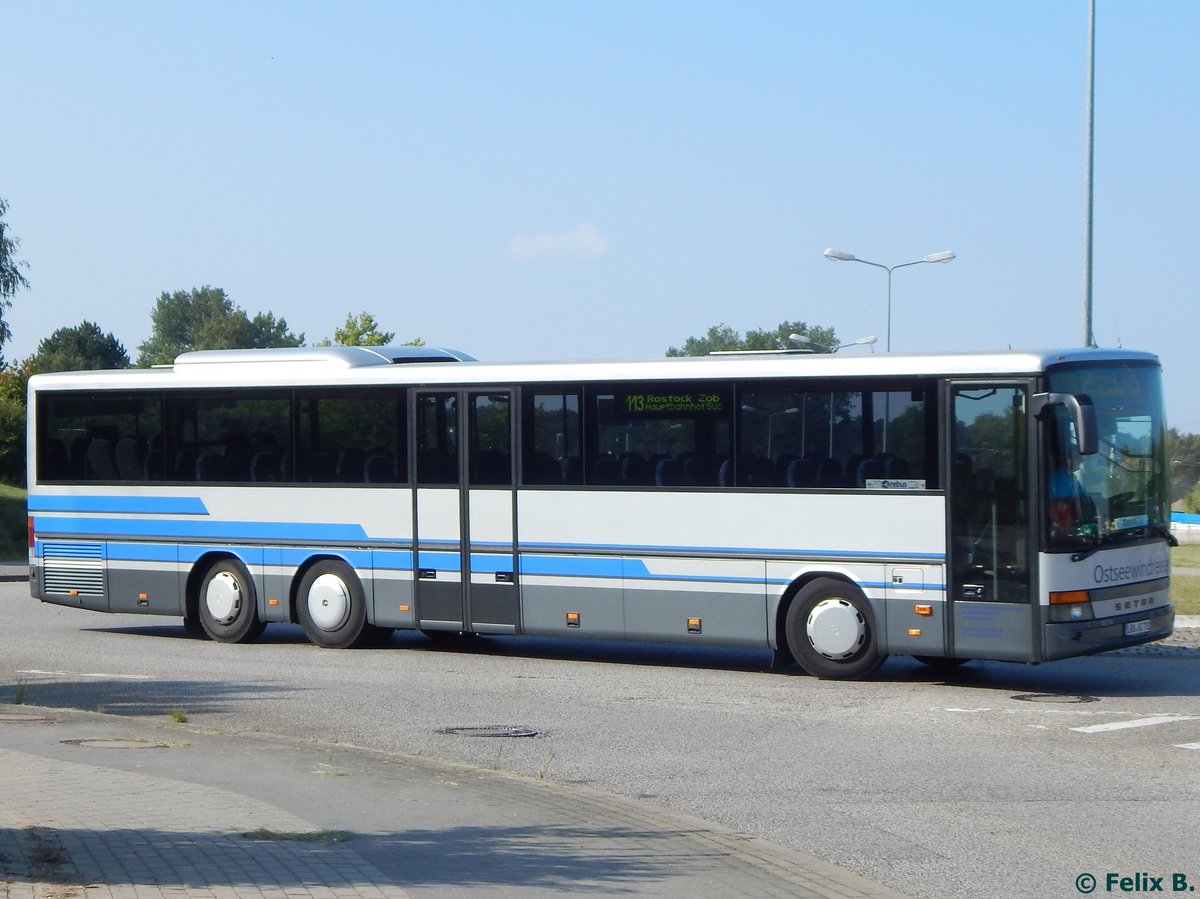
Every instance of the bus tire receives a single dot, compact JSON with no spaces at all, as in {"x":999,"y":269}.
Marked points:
{"x":332,"y":606}
{"x":831,"y":631}
{"x":228,"y":605}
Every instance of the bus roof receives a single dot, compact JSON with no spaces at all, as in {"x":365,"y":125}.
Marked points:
{"x":300,"y":366}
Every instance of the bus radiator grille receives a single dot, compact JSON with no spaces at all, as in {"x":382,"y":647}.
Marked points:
{"x":75,"y":569}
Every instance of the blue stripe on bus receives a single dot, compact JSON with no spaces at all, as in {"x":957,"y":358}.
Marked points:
{"x":294,"y":557}
{"x":382,"y":560}
{"x":320,"y":533}
{"x":440,"y":561}
{"x":315,"y":532}
{"x":573,"y":567}
{"x":576,"y":566}
{"x":756,"y":552}
{"x":118,"y":505}
{"x":143,"y":552}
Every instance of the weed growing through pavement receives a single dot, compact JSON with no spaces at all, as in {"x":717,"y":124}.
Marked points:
{"x":179,"y":716}
{"x":324,"y":837}
{"x":19,"y":691}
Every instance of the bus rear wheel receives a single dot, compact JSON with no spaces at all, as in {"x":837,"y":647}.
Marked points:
{"x":228,"y":605}
{"x":332,"y":606}
{"x":831,"y":631}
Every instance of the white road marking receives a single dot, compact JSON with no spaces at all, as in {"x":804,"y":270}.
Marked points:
{"x":1137,"y":722}
{"x":98,"y":674}
{"x":1187,"y":745}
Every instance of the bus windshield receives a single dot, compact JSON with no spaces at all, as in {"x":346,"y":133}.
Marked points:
{"x":1122,"y":491}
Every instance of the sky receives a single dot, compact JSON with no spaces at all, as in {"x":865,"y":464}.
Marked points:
{"x":588,"y":180}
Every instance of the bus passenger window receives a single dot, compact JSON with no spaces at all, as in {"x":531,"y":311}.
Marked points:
{"x":551,"y":438}
{"x":650,"y":435}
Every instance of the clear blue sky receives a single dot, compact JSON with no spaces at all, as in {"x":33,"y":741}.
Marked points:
{"x":585,"y":180}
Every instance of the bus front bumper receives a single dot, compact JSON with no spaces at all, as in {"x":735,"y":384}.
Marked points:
{"x":1080,"y":638}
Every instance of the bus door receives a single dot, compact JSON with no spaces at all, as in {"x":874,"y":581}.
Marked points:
{"x":990,"y":587}
{"x":464,"y":511}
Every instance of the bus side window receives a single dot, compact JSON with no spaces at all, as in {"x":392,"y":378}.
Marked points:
{"x":551,"y":438}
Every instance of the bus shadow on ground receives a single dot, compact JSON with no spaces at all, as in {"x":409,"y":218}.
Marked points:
{"x":1171,"y":671}
{"x":1151,"y":670}
{"x":717,"y":657}
{"x":139,"y":698}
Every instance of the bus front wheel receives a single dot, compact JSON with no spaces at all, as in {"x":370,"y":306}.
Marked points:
{"x":831,"y":631}
{"x":228,"y":606}
{"x":332,"y":606}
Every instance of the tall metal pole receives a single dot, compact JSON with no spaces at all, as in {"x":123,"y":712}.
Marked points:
{"x":889,"y":330}
{"x":1089,"y":337}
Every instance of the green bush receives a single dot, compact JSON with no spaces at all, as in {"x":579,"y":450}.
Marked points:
{"x":14,"y":531}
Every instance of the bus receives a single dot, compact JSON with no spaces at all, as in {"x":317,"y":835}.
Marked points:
{"x":833,"y":509}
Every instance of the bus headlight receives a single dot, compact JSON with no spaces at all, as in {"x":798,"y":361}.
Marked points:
{"x":1071,"y":605}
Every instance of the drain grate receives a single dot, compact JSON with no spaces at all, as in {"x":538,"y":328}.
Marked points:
{"x":117,"y":743}
{"x":1054,"y":697}
{"x":490,"y":730}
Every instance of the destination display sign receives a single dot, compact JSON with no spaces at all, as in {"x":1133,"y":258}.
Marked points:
{"x":670,"y":401}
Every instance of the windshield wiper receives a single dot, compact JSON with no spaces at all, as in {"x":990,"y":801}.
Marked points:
{"x":1110,"y":538}
{"x":1163,"y":531}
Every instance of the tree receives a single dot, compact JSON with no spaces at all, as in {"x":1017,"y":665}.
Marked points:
{"x":82,"y":348}
{"x":359,"y":330}
{"x":267,"y":331}
{"x":721,"y":337}
{"x":206,"y":319}
{"x":1184,"y":452}
{"x":13,"y":381}
{"x":1191,"y":502}
{"x":11,"y":279}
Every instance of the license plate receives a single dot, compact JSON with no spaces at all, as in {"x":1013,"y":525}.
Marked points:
{"x":1134,"y":628}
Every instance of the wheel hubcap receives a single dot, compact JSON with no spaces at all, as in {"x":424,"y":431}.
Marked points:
{"x":836,"y":629}
{"x":223,"y":597}
{"x":328,"y":602}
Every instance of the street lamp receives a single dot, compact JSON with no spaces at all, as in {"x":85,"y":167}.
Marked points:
{"x":842,"y":256}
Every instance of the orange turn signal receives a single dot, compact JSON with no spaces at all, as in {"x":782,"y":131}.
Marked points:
{"x":1067,"y":597}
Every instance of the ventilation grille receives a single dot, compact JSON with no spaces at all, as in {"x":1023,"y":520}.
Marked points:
{"x":76,"y":569}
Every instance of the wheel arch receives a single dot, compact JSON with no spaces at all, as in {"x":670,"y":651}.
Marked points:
{"x":803,"y":580}
{"x":316,"y":558}
{"x":200,"y":567}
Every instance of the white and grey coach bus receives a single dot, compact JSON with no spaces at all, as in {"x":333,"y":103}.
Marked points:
{"x":834,"y":509}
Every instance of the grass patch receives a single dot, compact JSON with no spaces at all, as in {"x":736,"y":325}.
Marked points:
{"x":1185,"y":594}
{"x":14,"y":524}
{"x":1186,"y":555}
{"x":1185,"y":589}
{"x":179,"y":716}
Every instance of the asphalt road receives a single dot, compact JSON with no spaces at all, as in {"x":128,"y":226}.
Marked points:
{"x":998,"y":780}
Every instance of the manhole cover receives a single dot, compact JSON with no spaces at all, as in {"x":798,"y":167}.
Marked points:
{"x":117,"y":743}
{"x":490,"y":730}
{"x":23,"y":716}
{"x":1054,"y":697}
